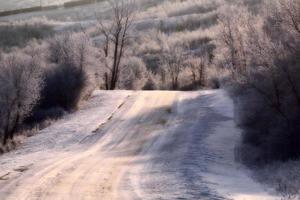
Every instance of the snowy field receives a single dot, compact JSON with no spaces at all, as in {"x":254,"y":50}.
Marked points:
{"x":17,"y":4}
{"x":77,"y":13}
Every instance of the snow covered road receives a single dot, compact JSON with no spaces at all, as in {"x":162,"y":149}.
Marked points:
{"x":134,"y":145}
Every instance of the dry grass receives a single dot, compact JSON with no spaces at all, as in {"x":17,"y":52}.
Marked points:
{"x":283,"y":176}
{"x":12,"y":144}
{"x":20,"y":137}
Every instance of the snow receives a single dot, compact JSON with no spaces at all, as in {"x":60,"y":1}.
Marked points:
{"x":66,"y":132}
{"x":135,"y":145}
{"x":230,"y":177}
{"x":78,"y":13}
{"x":234,"y":178}
{"x":17,"y":4}
{"x":194,"y":156}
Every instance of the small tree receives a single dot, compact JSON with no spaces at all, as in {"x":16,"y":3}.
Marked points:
{"x":66,"y":79}
{"x":231,"y":37}
{"x":134,"y":74}
{"x":197,"y":67}
{"x":116,"y":34}
{"x":173,"y":61}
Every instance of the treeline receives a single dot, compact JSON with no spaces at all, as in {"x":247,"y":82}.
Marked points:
{"x":262,"y":52}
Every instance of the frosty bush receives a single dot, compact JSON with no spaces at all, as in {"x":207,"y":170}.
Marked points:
{"x":263,"y":54}
{"x":20,"y":85}
{"x":18,"y":35}
{"x":134,"y":74}
{"x":66,"y":78}
{"x":116,"y":33}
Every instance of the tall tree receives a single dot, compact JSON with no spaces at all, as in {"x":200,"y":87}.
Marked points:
{"x":116,"y":34}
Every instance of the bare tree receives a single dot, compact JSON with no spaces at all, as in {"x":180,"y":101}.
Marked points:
{"x":232,"y":38}
{"x":173,"y":60}
{"x":134,"y":74}
{"x":116,"y":34}
{"x":1,"y":53}
{"x":287,"y":14}
{"x":197,"y":67}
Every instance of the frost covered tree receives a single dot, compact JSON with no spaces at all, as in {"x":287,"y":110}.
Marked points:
{"x":172,"y":59}
{"x":133,"y":74}
{"x":116,"y":33}
{"x":232,"y":37}
{"x":20,"y":85}
{"x":263,"y":53}
{"x":70,"y":55}
{"x":197,"y":66}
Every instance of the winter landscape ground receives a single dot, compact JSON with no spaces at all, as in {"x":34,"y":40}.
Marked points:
{"x":150,"y":99}
{"x":144,"y":145}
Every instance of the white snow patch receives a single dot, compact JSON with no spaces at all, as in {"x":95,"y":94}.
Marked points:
{"x":225,"y":175}
{"x":65,"y":132}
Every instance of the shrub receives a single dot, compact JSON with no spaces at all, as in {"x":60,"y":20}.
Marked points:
{"x":192,"y":7}
{"x":18,"y":35}
{"x":66,"y":80}
{"x":152,"y":82}
{"x":20,"y":84}
{"x":188,"y":23}
{"x":263,"y":53}
{"x":134,"y":74}
{"x":40,"y":115}
{"x":63,"y":87}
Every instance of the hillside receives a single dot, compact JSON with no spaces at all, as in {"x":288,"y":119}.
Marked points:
{"x":19,"y":4}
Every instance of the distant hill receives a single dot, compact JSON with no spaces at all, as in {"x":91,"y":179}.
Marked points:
{"x":20,"y":4}
{"x":40,"y":5}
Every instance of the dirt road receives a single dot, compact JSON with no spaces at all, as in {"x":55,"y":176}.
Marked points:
{"x":134,"y":145}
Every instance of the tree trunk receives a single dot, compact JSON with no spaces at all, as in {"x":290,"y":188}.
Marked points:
{"x":114,"y":70}
{"x":5,"y":138}
{"x":6,"y":130}
{"x":106,"y":81}
{"x":194,"y":78}
{"x":201,"y":75}
{"x":15,"y":127}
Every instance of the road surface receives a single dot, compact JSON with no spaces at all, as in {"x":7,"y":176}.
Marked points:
{"x":134,"y":145}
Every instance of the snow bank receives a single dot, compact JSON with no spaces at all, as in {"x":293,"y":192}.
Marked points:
{"x":226,"y":175}
{"x":66,"y":132}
